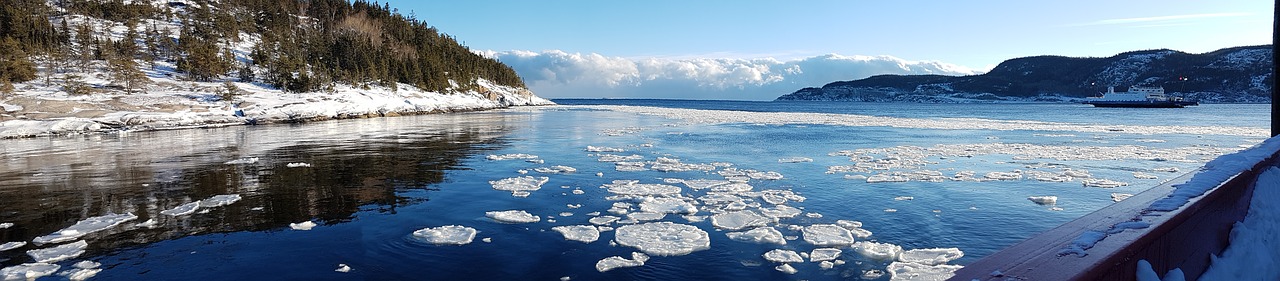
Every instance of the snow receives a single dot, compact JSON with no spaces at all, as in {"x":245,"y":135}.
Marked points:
{"x":306,"y":225}
{"x":614,"y":262}
{"x":12,"y":245}
{"x":1253,"y":252}
{"x":446,"y":235}
{"x":28,"y":271}
{"x":59,"y":253}
{"x":85,"y":227}
{"x":700,"y":184}
{"x":827,"y":235}
{"x":581,"y":233}
{"x":762,"y":235}
{"x":1082,"y":243}
{"x":824,"y":254}
{"x":76,"y":274}
{"x":519,"y":184}
{"x":663,"y":238}
{"x":782,"y":256}
{"x":512,"y":216}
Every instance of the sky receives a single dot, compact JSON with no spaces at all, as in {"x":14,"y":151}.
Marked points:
{"x":758,"y":50}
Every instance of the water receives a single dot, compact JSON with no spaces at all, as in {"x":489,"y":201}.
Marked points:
{"x":373,"y":182}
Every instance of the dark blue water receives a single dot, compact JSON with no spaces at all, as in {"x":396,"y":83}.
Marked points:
{"x":373,"y":182}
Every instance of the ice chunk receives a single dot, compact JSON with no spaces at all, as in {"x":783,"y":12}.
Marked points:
{"x":219,"y":200}
{"x":556,"y":170}
{"x":1015,"y":175}
{"x":1103,"y":183}
{"x":646,"y":216}
{"x":344,"y":268}
{"x":446,"y":235}
{"x":780,"y":211}
{"x":182,"y":210}
{"x":150,"y":223}
{"x":667,"y":206}
{"x":824,"y":254}
{"x":603,"y":220}
{"x":782,"y":256}
{"x":786,"y":268}
{"x":28,"y":271}
{"x":877,"y":251}
{"x":610,"y":263}
{"x":512,"y":216}
{"x":1076,"y":173}
{"x":663,"y":238}
{"x":735,"y":187}
{"x":763,"y":235}
{"x":519,"y":184}
{"x":1117,"y":197}
{"x":59,"y":253}
{"x":1044,"y":200}
{"x":85,"y":227}
{"x":247,"y":160}
{"x":298,"y":165}
{"x":934,"y":256}
{"x":859,"y":233}
{"x":878,"y":178}
{"x":737,"y":220}
{"x":903,"y":198}
{"x":6,"y":225}
{"x":1145,"y":176}
{"x":603,"y":149}
{"x":813,"y":215}
{"x":631,"y":187}
{"x":566,"y":214}
{"x":827,"y":235}
{"x":618,"y":158}
{"x":795,"y":160}
{"x":700,"y":184}
{"x":848,"y":224}
{"x":306,"y":225}
{"x":872,"y":274}
{"x":513,"y":156}
{"x":87,"y":264}
{"x":582,"y":233}
{"x":12,"y":245}
{"x":914,"y":271}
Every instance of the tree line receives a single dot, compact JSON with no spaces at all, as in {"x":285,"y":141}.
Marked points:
{"x":302,"y":45}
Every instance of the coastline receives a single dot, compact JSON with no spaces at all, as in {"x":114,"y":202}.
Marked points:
{"x":37,"y":111}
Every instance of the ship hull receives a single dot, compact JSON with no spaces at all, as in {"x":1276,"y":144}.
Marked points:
{"x":1143,"y":104}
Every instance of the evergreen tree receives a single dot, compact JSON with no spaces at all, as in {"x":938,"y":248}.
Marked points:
{"x":124,"y":71}
{"x":15,"y":66}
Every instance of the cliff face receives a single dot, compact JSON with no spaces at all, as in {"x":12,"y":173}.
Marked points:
{"x":1240,"y":74}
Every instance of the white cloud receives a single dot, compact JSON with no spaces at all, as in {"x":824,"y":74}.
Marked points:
{"x":1164,"y":19}
{"x":558,"y":74}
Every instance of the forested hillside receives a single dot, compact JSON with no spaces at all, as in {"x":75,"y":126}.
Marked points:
{"x":294,"y":45}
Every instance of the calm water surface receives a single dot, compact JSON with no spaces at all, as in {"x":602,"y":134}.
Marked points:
{"x":373,"y":182}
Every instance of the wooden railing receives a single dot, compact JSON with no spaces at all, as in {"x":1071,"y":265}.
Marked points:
{"x":1183,"y":238}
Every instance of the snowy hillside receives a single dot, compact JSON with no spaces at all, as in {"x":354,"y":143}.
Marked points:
{"x":79,"y":87}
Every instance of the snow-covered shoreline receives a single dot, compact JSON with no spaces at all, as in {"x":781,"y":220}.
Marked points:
{"x":42,"y":111}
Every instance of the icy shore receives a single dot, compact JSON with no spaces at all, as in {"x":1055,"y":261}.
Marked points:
{"x":37,"y":110}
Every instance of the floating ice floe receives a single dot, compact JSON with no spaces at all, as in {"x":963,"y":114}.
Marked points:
{"x":182,"y":210}
{"x":150,"y":223}
{"x":12,"y":245}
{"x":611,"y":263}
{"x":848,"y":224}
{"x":446,"y":235}
{"x":603,"y":149}
{"x":1044,"y":200}
{"x":903,"y":198}
{"x":1144,"y":176}
{"x":241,"y":161}
{"x":664,"y":164}
{"x":82,"y":270}
{"x":934,"y":256}
{"x":762,"y":235}
{"x":878,"y":178}
{"x":512,"y":216}
{"x":786,"y":268}
{"x":1166,"y":169}
{"x":344,"y":268}
{"x":795,"y":160}
{"x":1117,"y":197}
{"x":556,"y":169}
{"x":581,"y":233}
{"x":915,"y":271}
{"x":6,"y":225}
{"x":618,"y":158}
{"x":219,"y":200}
{"x":827,"y":235}
{"x":645,"y":216}
{"x":1103,"y":183}
{"x":513,"y":156}
{"x":298,"y":165}
{"x":782,"y":256}
{"x":1015,"y":175}
{"x":667,"y":206}
{"x":28,"y":271}
{"x":824,"y":254}
{"x":306,"y":225}
{"x":85,"y":227}
{"x":517,"y":185}
{"x":59,"y":253}
{"x":877,"y":251}
{"x":633,"y":187}
{"x":780,"y":211}
{"x":663,"y":238}
{"x":603,"y":220}
{"x":738,"y":220}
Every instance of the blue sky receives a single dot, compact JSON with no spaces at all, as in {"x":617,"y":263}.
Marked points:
{"x":975,"y":35}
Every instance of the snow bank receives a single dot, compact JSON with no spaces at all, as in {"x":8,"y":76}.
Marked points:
{"x":1254,"y":252}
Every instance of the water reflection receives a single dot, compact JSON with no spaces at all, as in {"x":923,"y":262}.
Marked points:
{"x":355,"y":165}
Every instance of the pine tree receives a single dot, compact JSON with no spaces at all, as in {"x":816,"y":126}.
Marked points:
{"x":14,"y":64}
{"x":124,"y":70}
{"x":84,"y":52}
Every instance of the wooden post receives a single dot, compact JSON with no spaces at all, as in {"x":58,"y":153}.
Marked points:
{"x":1275,"y":69}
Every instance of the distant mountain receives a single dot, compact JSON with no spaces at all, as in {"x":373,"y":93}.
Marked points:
{"x":1231,"y":75}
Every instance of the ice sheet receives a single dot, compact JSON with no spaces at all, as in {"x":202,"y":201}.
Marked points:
{"x":631,"y":187}
{"x":581,"y":233}
{"x":85,"y":227}
{"x":446,"y":235}
{"x":663,"y":238}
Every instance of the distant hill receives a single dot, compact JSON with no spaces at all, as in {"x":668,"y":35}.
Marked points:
{"x":1231,"y":75}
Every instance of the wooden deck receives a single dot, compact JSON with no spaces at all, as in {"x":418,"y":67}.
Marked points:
{"x":1183,"y":238}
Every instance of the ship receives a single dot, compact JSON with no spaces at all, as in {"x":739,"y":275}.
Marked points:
{"x":1137,"y":96}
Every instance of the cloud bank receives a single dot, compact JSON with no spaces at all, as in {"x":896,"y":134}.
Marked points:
{"x":558,"y":74}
